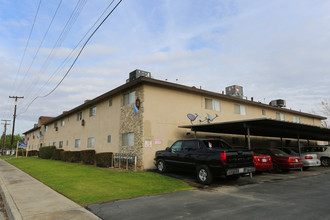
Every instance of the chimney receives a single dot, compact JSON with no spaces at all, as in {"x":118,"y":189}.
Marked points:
{"x":251,"y":99}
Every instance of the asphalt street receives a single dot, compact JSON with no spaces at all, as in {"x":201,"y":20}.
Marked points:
{"x":301,"y":195}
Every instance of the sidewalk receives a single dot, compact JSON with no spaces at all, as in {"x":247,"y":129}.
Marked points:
{"x":27,"y":198}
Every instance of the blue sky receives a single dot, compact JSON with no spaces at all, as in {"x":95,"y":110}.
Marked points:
{"x":274,"y":49}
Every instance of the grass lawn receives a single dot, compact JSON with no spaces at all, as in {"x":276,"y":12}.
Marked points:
{"x":87,"y":184}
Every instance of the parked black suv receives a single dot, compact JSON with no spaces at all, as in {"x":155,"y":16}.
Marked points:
{"x":208,"y":157}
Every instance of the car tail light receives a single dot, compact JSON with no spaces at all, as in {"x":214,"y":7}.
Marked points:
{"x":292,"y":160}
{"x":223,"y":157}
{"x":269,"y":159}
{"x":308,"y":157}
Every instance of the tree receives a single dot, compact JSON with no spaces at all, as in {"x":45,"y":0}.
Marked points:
{"x":17,"y":138}
{"x":325,"y":110}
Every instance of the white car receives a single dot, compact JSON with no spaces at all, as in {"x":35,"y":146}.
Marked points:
{"x":323,"y":153}
{"x":308,"y":159}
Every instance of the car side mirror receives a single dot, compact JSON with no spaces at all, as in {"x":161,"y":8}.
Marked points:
{"x":168,"y":149}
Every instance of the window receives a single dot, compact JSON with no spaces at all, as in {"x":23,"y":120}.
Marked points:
{"x":263,"y":112}
{"x":54,"y":144}
{"x":128,"y":139}
{"x":67,"y":143}
{"x":110,"y":102}
{"x":46,"y":127}
{"x":190,"y":145}
{"x":77,"y":143}
{"x":212,"y":104}
{"x":129,"y":98}
{"x":62,"y":122}
{"x":176,"y":146}
{"x":296,"y":119}
{"x":60,"y":145}
{"x":79,"y":116}
{"x":109,"y":138}
{"x":239,"y":109}
{"x":280,"y":116}
{"x":90,"y":142}
{"x":92,"y":111}
{"x":55,"y":124}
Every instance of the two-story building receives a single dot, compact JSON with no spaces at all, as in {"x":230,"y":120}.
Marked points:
{"x":144,"y":114}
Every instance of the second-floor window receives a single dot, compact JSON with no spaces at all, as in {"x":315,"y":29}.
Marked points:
{"x":79,"y":116}
{"x":212,"y":104}
{"x":129,"y":98}
{"x":239,"y":109}
{"x":296,"y":119}
{"x":62,"y":123}
{"x":92,"y":111}
{"x":280,"y":116}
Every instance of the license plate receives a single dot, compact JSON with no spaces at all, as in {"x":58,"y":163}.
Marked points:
{"x":241,"y":170}
{"x":264,"y":160}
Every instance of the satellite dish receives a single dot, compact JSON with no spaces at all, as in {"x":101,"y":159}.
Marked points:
{"x":191,"y":117}
{"x":201,"y":119}
{"x":210,"y":118}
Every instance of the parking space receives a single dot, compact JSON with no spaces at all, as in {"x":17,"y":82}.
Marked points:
{"x":262,"y":177}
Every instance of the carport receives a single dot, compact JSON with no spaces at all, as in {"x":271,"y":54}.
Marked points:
{"x":266,"y":128}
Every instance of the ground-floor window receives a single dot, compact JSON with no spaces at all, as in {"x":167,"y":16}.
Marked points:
{"x":60,"y":145}
{"x":90,"y":142}
{"x":77,"y":143}
{"x":128,"y":139}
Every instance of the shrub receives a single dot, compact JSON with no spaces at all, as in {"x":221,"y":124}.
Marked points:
{"x":21,"y":152}
{"x":65,"y":155}
{"x":88,"y":156}
{"x":74,"y":156}
{"x":46,"y":152}
{"x":32,"y":153}
{"x":56,"y":154}
{"x":103,"y":159}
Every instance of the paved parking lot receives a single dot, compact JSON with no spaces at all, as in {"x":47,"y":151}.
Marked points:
{"x":293,"y":195}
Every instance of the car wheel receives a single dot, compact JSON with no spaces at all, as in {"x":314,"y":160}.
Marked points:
{"x":161,"y":167}
{"x":325,"y":162}
{"x":204,"y":175}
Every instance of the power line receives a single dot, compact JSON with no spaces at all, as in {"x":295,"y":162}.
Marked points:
{"x":27,"y":43}
{"x":42,"y":41}
{"x":76,"y":56}
{"x":72,"y":19}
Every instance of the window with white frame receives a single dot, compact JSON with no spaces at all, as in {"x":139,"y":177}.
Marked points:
{"x":77,"y":143}
{"x":239,"y":109}
{"x":46,"y":127}
{"x":280,"y":116}
{"x":296,"y":119}
{"x":90,"y":142}
{"x":129,"y":98}
{"x":54,"y":143}
{"x":128,"y":139}
{"x":79,"y":116}
{"x":60,"y":145}
{"x":55,"y":124}
{"x":92,"y":111}
{"x":62,"y":123}
{"x":263,"y":111}
{"x":212,"y":104}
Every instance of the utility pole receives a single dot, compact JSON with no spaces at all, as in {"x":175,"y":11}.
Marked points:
{"x":4,"y":135}
{"x":12,"y":133}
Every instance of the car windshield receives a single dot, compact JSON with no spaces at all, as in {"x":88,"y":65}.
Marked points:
{"x":216,"y":144}
{"x":279,"y":152}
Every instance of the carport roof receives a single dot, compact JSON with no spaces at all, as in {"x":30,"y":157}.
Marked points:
{"x":265,"y":127}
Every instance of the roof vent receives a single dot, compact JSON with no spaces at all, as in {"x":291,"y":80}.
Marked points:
{"x":278,"y":103}
{"x":235,"y":90}
{"x":138,"y":73}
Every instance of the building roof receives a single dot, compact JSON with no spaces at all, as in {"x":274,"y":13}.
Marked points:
{"x":174,"y":86}
{"x":265,"y":127}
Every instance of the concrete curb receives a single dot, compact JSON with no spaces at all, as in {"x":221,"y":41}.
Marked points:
{"x":10,"y":205}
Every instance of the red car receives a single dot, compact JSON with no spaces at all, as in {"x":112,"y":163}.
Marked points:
{"x":262,"y":162}
{"x":281,"y":160}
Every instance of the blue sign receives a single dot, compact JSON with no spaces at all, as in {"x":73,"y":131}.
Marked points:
{"x":22,"y":145}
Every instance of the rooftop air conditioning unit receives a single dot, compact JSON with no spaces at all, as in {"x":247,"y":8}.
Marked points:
{"x":235,"y":90}
{"x":278,"y":103}
{"x":138,"y":73}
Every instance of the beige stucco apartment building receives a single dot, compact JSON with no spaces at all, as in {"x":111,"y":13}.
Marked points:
{"x":143,"y":115}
